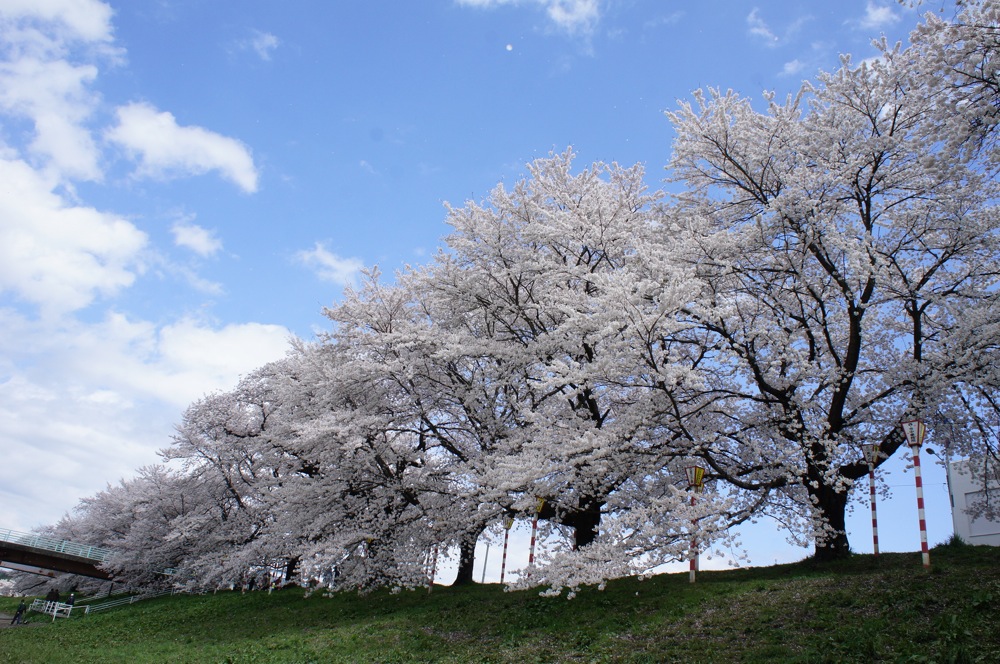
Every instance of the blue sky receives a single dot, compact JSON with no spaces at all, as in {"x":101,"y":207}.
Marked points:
{"x":184,"y":184}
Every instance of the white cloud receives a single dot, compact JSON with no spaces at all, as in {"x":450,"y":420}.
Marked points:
{"x":260,"y":43}
{"x":197,"y":282}
{"x":172,"y":364}
{"x":877,"y":17}
{"x":573,"y":16}
{"x":792,"y":68}
{"x":201,"y":358}
{"x":487,"y":4}
{"x":88,"y":20}
{"x":165,"y":149}
{"x":39,"y":84}
{"x":331,"y":267}
{"x":758,"y":28}
{"x":669,"y":19}
{"x":88,"y":398}
{"x":199,"y":240}
{"x":56,"y":256}
{"x":85,"y":404}
{"x":53,"y":94}
{"x":263,"y":43}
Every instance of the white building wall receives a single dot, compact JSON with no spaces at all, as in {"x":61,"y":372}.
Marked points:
{"x":965,"y":484}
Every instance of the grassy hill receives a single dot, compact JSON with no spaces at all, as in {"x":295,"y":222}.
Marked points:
{"x":858,"y":610}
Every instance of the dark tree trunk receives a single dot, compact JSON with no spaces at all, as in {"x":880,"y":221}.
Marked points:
{"x":467,"y":557}
{"x":832,"y":506}
{"x":586,"y":521}
{"x":466,"y":563}
{"x":291,"y":569}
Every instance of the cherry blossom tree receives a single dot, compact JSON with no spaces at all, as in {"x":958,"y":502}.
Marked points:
{"x":370,"y":501}
{"x":450,"y":399}
{"x":561,"y":291}
{"x":135,"y":520}
{"x":841,"y":238}
{"x":223,"y":444}
{"x":514,"y":367}
{"x":958,"y":58}
{"x":527,"y":265}
{"x":826,"y":269}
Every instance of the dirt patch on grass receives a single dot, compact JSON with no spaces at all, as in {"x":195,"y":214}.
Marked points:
{"x":5,"y":622}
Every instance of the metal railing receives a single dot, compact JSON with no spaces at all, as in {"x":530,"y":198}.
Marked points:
{"x":103,"y":606}
{"x":63,"y":610}
{"x":58,"y":546}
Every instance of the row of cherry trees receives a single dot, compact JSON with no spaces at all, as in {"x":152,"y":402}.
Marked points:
{"x":827,"y":269}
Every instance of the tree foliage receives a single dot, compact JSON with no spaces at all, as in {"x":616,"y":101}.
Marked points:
{"x":825,"y":268}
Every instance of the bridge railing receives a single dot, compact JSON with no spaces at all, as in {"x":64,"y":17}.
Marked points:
{"x":56,"y":545}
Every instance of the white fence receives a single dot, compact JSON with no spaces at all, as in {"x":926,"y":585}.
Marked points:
{"x":103,"y":606}
{"x":54,"y":609}
{"x":63,"y":610}
{"x":58,"y":546}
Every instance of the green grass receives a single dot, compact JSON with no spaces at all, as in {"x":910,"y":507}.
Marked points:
{"x":856,"y":610}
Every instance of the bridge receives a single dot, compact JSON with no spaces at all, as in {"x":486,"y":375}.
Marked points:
{"x":28,"y":552}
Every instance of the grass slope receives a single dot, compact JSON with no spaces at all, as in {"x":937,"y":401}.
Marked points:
{"x":857,"y":610}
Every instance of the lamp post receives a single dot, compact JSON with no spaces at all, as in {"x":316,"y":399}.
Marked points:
{"x":696,"y":483}
{"x":871,"y":452}
{"x":915,"y":430}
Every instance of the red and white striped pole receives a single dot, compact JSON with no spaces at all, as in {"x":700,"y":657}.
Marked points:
{"x":507,"y":523}
{"x":433,"y":568}
{"x":534,"y":530}
{"x":696,"y":482}
{"x":915,"y":430}
{"x":871,"y":456}
{"x":694,"y":550}
{"x":924,"y":552}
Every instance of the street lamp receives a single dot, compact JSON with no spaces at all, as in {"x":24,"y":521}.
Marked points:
{"x":915,"y":430}
{"x":871,"y":451}
{"x":696,"y":483}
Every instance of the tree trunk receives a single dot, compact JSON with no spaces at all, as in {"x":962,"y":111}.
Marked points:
{"x":291,"y":569}
{"x":586,"y":522}
{"x":467,"y":557}
{"x":832,"y":507}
